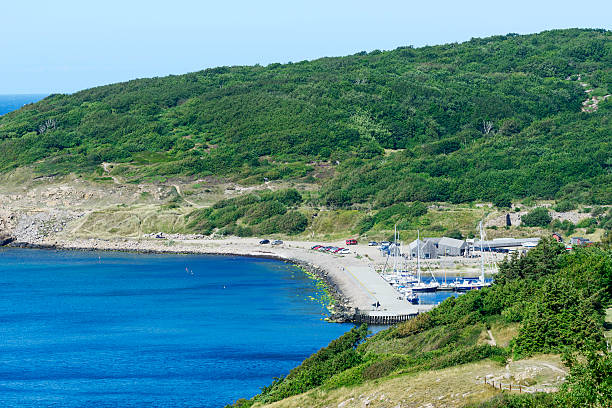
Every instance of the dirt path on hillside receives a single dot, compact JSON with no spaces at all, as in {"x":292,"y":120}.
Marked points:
{"x":180,"y":193}
{"x":107,"y":169}
{"x":491,"y":340}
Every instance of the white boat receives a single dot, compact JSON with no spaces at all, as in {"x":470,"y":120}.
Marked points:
{"x":421,"y":286}
{"x":466,"y":284}
{"x":409,"y":295}
{"x":470,"y":284}
{"x":446,"y":286}
{"x":425,"y":287}
{"x":399,"y":277}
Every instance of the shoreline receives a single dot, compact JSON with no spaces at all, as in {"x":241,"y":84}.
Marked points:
{"x":354,"y":290}
{"x":340,"y":310}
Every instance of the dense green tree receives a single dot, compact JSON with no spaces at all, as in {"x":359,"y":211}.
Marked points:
{"x":538,"y":217}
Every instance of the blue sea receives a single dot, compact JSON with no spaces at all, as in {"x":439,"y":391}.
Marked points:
{"x":100,"y":329}
{"x":10,"y":103}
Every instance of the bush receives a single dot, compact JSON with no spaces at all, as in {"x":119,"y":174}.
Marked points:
{"x":265,"y":210}
{"x":382,"y":368}
{"x":538,"y":400}
{"x":290,"y":197}
{"x":538,"y":217}
{"x":590,"y":382}
{"x":565,"y":206}
{"x":565,"y":225}
{"x":346,"y":378}
{"x":455,"y":234}
{"x":292,"y":222}
{"x":502,"y":201}
{"x":413,"y":326}
{"x":586,"y":223}
{"x":364,"y":224}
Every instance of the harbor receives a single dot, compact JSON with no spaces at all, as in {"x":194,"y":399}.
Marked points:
{"x":374,"y":284}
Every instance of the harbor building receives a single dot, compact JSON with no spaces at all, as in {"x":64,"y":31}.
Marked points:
{"x":427,"y":249}
{"x":452,"y":247}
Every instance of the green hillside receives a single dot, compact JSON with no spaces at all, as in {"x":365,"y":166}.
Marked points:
{"x":492,"y":117}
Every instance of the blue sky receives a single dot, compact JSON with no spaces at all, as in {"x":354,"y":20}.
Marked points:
{"x":66,"y":45}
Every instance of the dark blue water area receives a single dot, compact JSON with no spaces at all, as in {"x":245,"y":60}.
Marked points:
{"x":9,"y":103}
{"x":84,"y":329}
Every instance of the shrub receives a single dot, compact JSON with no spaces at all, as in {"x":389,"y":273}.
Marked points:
{"x":502,"y":201}
{"x":455,"y":234}
{"x":538,"y":217}
{"x":565,"y":225}
{"x":289,"y":197}
{"x":505,"y":400}
{"x":586,"y":223}
{"x":382,"y":368}
{"x":338,"y":356}
{"x":364,"y":224}
{"x":565,"y":206}
{"x":292,"y":222}
{"x":418,"y":324}
{"x":346,"y":378}
{"x":264,"y":210}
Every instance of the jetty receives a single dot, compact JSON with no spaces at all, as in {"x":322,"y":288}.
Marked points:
{"x":384,"y":304}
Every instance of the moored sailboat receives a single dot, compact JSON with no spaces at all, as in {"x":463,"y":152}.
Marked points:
{"x":467,"y":284}
{"x":420,"y":285}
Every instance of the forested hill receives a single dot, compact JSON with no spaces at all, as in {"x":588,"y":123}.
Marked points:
{"x":489,"y":117}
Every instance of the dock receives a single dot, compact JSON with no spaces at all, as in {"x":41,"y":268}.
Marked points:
{"x":386,"y":305}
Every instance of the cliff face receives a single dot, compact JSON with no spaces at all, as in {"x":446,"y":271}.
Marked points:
{"x":7,"y":226}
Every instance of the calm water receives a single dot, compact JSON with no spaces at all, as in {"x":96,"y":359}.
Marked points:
{"x":437,"y":297}
{"x":85,"y":329}
{"x":10,"y":103}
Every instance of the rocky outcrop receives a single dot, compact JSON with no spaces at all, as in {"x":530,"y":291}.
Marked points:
{"x":5,"y":239}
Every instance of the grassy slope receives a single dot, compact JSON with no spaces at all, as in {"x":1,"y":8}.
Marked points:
{"x":449,"y":387}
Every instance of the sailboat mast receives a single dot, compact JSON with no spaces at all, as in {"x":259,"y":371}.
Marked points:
{"x":395,"y":249}
{"x":418,"y":258}
{"x":482,"y":279}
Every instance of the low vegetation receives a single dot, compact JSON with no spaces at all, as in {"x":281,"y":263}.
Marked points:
{"x":262,"y":213}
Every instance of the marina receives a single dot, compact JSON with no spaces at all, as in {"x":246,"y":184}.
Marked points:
{"x":410,"y":285}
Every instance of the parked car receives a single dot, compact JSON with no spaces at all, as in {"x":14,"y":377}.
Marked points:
{"x":337,"y":250}
{"x":264,"y":241}
{"x":351,"y":242}
{"x":316,"y":247}
{"x":344,"y":251}
{"x":372,"y":243}
{"x":385,"y":244}
{"x":277,"y":242}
